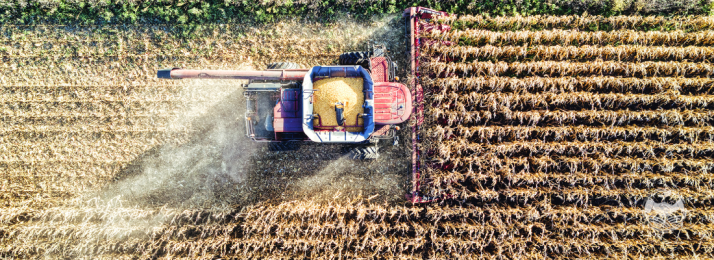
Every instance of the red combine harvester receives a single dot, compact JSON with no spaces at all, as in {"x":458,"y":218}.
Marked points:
{"x":280,"y":100}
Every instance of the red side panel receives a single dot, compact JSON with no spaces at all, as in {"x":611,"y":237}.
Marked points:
{"x":286,"y":113}
{"x":392,"y":103}
{"x":380,"y":69}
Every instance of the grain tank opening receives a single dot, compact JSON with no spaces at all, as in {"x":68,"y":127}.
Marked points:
{"x":325,"y":86}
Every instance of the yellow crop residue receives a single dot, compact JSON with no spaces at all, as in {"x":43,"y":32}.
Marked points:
{"x":345,"y":90}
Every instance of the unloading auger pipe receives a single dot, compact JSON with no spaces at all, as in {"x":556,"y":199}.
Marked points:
{"x":177,"y":73}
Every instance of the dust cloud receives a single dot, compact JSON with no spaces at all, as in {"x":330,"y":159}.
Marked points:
{"x":209,"y":153}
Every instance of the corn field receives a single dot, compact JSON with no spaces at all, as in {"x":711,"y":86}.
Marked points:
{"x":545,"y":136}
{"x":587,"y":116}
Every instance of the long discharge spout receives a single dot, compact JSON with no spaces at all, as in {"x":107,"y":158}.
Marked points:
{"x":177,"y":73}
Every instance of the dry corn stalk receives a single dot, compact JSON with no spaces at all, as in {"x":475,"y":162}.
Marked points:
{"x":569,"y":101}
{"x":565,"y":68}
{"x":466,"y":167}
{"x":459,"y":147}
{"x":563,"y":133}
{"x":595,"y":84}
{"x":591,"y":23}
{"x":478,"y":37}
{"x":571,"y":53}
{"x":604,"y":117}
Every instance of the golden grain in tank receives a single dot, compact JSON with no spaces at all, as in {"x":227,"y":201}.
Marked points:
{"x":348,"y":91}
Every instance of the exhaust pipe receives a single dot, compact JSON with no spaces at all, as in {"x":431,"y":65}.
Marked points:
{"x":165,"y":73}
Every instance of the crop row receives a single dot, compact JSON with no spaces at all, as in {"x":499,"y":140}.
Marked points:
{"x":566,"y":68}
{"x":461,"y":246}
{"x":105,"y":150}
{"x":87,"y":123}
{"x":99,"y":109}
{"x":88,"y":128}
{"x":570,"y":53}
{"x":337,"y":215}
{"x":692,"y":118}
{"x":554,"y":180}
{"x":51,"y":187}
{"x":595,"y":164}
{"x":159,"y":36}
{"x":565,"y":195}
{"x":570,"y":101}
{"x":558,"y":172}
{"x":21,"y":138}
{"x":584,"y":23}
{"x":596,"y":84}
{"x":647,"y":149}
{"x":83,"y":96}
{"x":96,"y":71}
{"x":478,"y":37}
{"x":497,"y":134}
{"x":543,"y":211}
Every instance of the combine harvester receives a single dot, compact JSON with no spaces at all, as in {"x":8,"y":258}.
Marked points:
{"x":280,"y":100}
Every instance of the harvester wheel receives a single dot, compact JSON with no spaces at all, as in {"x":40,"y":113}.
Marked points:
{"x":283,"y":66}
{"x":280,"y":147}
{"x":356,"y":58}
{"x":364,"y":153}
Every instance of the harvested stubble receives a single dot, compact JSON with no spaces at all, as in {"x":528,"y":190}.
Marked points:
{"x":533,"y":123}
{"x":347,"y":91}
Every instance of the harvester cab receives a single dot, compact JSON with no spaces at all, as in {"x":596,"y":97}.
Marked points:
{"x":284,"y":101}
